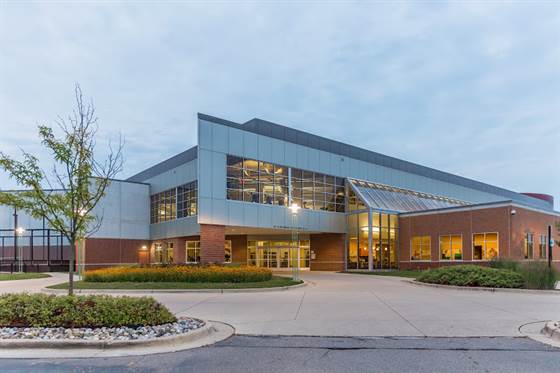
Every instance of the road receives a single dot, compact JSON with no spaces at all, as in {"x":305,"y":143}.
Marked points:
{"x":325,"y":354}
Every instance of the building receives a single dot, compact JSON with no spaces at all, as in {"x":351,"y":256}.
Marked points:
{"x":226,"y":200}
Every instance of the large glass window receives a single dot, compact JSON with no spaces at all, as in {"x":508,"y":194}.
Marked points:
{"x":485,"y":246}
{"x":421,"y":248}
{"x":187,"y":196}
{"x":174,"y":203}
{"x":451,"y":247}
{"x":528,"y":246}
{"x":249,"y":180}
{"x":542,"y":247}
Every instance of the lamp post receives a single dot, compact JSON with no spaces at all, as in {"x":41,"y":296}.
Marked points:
{"x":19,"y":232}
{"x":294,"y":209}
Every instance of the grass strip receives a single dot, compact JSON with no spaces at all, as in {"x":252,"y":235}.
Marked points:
{"x":22,"y":276}
{"x":273,"y":283}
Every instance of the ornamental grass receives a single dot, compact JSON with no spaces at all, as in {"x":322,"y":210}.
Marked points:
{"x":93,"y":311}
{"x":179,"y":273}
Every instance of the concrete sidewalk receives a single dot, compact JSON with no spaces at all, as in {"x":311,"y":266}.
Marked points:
{"x":335,"y":304}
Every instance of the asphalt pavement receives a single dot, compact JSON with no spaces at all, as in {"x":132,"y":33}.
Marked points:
{"x":325,"y":354}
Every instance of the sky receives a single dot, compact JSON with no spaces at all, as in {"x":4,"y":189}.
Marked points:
{"x":471,"y":88}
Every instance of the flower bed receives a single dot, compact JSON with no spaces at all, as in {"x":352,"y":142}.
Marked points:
{"x":472,"y":275}
{"x":197,"y":274}
{"x":94,"y":311}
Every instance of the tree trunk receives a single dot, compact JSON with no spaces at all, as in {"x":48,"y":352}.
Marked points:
{"x":71,"y":257}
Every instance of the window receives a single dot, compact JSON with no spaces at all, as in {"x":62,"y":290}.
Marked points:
{"x":421,"y":248}
{"x":528,"y":246}
{"x":254,"y":181}
{"x":451,"y":247}
{"x":158,"y":253}
{"x":228,"y":253}
{"x":174,"y":203}
{"x":542,"y":247}
{"x":187,"y":196}
{"x":485,"y":246}
{"x":193,"y":252}
{"x":170,"y":252}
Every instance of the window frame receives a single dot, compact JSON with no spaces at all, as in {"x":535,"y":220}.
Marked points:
{"x":421,"y":246}
{"x":196,"y":250}
{"x":451,"y":235}
{"x":529,"y":241}
{"x":543,"y":247}
{"x":484,"y":248}
{"x":230,"y":251}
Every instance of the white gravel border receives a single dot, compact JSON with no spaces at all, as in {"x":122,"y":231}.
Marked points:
{"x":210,"y":333}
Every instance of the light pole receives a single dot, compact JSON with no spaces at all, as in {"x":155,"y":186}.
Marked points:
{"x":294,"y":209}
{"x":19,"y":232}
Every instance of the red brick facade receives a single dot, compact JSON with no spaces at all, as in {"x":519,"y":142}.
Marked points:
{"x":212,"y":243}
{"x":511,"y":229}
{"x":327,"y":252}
{"x":328,"y":249}
{"x":106,"y":252}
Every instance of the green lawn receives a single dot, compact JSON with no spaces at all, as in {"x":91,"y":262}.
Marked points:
{"x":275,"y":282}
{"x":403,"y":273}
{"x":22,"y":276}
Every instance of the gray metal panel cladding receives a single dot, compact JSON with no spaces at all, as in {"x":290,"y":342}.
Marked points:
{"x":175,"y":161}
{"x":277,"y":131}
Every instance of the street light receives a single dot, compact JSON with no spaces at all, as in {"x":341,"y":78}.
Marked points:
{"x":294,"y":209}
{"x":19,"y":232}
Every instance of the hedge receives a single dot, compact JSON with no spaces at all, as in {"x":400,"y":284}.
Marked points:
{"x":93,"y":311}
{"x":472,"y":275}
{"x":179,"y":274}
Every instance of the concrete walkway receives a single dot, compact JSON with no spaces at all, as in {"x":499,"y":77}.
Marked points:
{"x":337,"y":304}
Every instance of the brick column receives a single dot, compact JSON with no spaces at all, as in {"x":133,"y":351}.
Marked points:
{"x":212,"y":243}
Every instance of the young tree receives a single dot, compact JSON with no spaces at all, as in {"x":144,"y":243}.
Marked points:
{"x":66,"y":196}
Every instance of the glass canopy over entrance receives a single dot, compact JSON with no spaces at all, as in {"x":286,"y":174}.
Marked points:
{"x":372,"y":221}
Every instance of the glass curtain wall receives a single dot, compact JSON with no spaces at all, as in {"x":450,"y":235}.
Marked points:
{"x":384,"y":240}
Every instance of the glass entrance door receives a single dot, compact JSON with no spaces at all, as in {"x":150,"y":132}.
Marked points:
{"x":277,"y":254}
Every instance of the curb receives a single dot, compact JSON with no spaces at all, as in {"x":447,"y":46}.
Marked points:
{"x":492,"y":290}
{"x":155,"y":291}
{"x":552,"y":330}
{"x":211,"y":333}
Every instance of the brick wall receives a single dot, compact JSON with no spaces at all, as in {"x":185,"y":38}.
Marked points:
{"x":212,"y":242}
{"x":511,"y":231}
{"x":105,"y":252}
{"x":527,"y":221}
{"x":329,"y":252}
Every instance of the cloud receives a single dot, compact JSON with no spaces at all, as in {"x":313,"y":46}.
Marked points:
{"x":467,"y":87}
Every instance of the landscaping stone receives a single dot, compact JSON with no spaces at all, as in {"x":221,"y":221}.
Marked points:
{"x":182,"y":325}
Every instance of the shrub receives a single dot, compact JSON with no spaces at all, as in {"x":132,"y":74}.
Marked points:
{"x":93,"y":311}
{"x":537,"y":275}
{"x":179,"y":274}
{"x":471,"y":275}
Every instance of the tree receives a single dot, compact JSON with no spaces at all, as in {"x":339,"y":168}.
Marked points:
{"x":66,"y":196}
